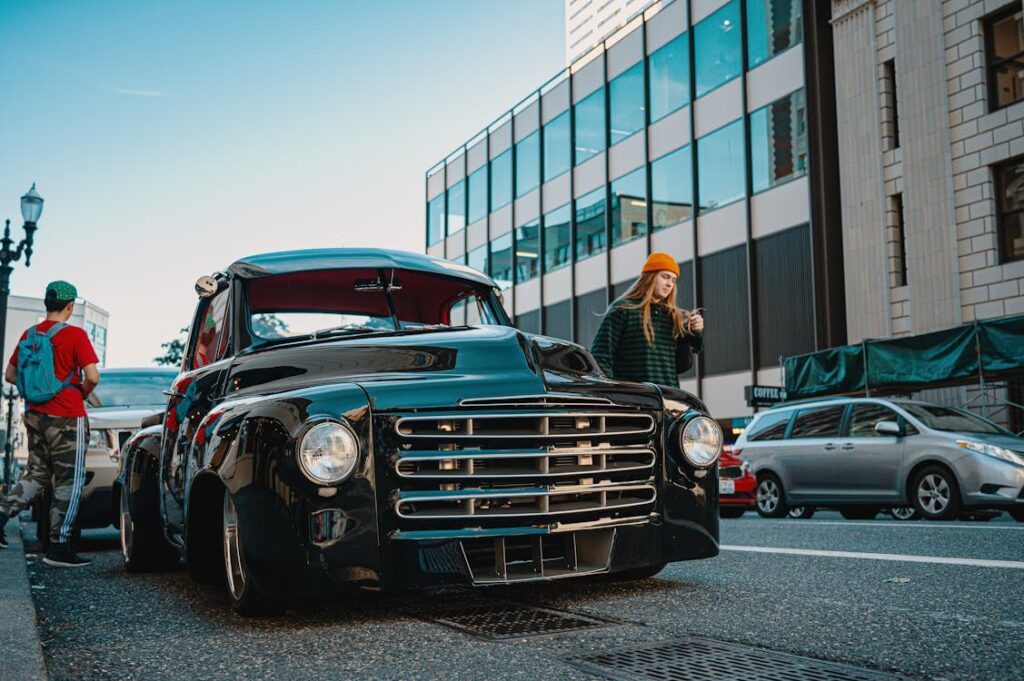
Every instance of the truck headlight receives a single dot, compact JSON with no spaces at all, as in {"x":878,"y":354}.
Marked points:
{"x":328,"y":453}
{"x":99,"y":439}
{"x":701,"y":441}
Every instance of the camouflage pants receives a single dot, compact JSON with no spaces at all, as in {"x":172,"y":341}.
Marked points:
{"x":56,"y":452}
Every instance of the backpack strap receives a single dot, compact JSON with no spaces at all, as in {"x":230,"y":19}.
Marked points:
{"x":54,"y":330}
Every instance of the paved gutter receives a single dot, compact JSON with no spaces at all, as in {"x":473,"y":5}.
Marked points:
{"x":21,"y":655}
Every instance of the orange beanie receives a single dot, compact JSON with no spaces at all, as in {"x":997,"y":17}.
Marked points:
{"x":658,"y":262}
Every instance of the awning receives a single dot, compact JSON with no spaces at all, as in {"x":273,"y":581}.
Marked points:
{"x":991,"y":348}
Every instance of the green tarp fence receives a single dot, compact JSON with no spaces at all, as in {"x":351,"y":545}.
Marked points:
{"x":991,"y":348}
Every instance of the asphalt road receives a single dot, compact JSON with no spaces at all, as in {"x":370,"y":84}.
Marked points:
{"x":958,"y":612}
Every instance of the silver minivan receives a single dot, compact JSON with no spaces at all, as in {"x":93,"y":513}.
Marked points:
{"x":864,"y":454}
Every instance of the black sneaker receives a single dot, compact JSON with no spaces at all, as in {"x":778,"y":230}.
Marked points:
{"x":62,"y":555}
{"x":3,"y":535}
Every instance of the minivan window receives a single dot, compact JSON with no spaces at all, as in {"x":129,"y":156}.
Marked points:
{"x":771,"y":426}
{"x":953,"y":420}
{"x":864,"y":417}
{"x":818,"y":422}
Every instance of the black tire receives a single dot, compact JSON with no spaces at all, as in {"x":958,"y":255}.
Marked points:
{"x":1017,"y":514}
{"x":802,"y":512}
{"x":859,"y":513}
{"x":936,"y":494}
{"x":43,"y":505}
{"x":731,"y":511}
{"x":771,"y":498}
{"x":243,"y":594}
{"x":904,"y":513}
{"x":143,"y":545}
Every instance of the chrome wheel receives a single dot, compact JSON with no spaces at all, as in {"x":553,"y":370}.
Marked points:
{"x":233,"y":566}
{"x":126,"y":526}
{"x":767,"y":496}
{"x":903,"y":512}
{"x":796,"y":512}
{"x":933,"y":493}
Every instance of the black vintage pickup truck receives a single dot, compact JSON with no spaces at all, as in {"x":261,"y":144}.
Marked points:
{"x":370,"y":419}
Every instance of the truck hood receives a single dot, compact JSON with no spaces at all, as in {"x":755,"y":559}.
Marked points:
{"x":119,"y":417}
{"x":436,"y":369}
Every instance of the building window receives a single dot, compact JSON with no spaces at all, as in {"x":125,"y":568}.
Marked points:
{"x":527,"y":251}
{"x":899,"y":239}
{"x":773,"y":26}
{"x":1005,"y":58}
{"x":718,"y":50}
{"x":435,"y":219}
{"x":785,"y":295}
{"x":669,"y":70}
{"x":778,"y":142}
{"x":620,"y":289}
{"x":590,"y":126}
{"x":477,"y":258}
{"x":672,"y":188}
{"x":684,"y":299}
{"x":590,"y":229}
{"x":502,"y":261}
{"x":558,"y":320}
{"x":721,"y":167}
{"x":557,"y":239}
{"x":626,"y":103}
{"x":629,"y":206}
{"x":527,"y":163}
{"x":456,"y":207}
{"x":501,"y":179}
{"x":478,"y":194}
{"x":1010,"y":184}
{"x":590,"y":309}
{"x":556,"y":146}
{"x":890,"y":106}
{"x":529,"y":321}
{"x":726,"y":321}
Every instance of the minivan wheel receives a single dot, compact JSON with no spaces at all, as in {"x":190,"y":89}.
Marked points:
{"x":936,"y":494}
{"x":904,"y":513}
{"x":771,"y":503}
{"x":802,"y":512}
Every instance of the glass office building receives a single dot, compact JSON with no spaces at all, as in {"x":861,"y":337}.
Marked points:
{"x":692,"y":130}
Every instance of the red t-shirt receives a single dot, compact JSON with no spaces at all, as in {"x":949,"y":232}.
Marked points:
{"x":72,"y":351}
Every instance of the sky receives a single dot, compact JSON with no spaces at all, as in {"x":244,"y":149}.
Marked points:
{"x":170,"y":138}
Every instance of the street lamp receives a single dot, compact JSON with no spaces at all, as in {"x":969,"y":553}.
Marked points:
{"x":31,"y":209}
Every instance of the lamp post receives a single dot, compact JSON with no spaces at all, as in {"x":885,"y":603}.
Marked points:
{"x":31,"y":209}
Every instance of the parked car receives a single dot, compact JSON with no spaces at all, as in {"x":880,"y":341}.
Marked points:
{"x":116,"y":410}
{"x":865,"y":454}
{"x":339,"y":425}
{"x":736,"y":485}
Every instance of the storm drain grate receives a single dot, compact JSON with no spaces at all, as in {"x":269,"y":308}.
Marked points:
{"x":497,"y":621}
{"x":706,"y":660}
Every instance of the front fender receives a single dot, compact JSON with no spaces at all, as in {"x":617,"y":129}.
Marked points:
{"x":140,"y":460}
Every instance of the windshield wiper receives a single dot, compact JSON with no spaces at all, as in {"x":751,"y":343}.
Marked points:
{"x":346,"y":330}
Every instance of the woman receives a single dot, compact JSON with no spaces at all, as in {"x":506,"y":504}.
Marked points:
{"x":644,"y":336}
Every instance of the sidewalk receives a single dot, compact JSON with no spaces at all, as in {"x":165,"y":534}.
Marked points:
{"x":21,"y":656}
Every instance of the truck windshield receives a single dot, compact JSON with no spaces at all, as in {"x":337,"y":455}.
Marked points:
{"x":136,"y":389}
{"x":323,"y":303}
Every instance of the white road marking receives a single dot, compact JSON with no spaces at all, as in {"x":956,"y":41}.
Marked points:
{"x":919,"y":524}
{"x":896,"y":557}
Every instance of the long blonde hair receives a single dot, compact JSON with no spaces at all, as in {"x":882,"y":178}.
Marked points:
{"x":640,"y":296}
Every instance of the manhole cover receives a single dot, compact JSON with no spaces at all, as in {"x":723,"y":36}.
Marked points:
{"x":498,"y":621}
{"x":702,"y":659}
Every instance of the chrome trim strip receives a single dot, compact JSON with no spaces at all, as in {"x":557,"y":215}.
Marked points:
{"x":535,"y":400}
{"x":506,"y":455}
{"x":524,"y":434}
{"x":487,"y":533}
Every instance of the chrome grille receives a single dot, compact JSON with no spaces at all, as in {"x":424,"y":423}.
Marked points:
{"x":543,"y":466}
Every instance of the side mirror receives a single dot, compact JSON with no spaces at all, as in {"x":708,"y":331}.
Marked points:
{"x":888,"y":428}
{"x":206,"y":286}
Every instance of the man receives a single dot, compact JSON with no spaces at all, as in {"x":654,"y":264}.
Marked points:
{"x":58,"y":429}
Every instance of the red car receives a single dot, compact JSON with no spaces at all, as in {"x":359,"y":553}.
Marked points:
{"x":736,"y":485}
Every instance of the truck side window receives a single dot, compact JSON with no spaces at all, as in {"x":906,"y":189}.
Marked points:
{"x":212,"y":336}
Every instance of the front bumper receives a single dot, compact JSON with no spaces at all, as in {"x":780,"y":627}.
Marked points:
{"x":742,"y":494}
{"x":987,"y":482}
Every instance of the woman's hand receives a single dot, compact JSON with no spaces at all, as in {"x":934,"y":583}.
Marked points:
{"x":696,"y":323}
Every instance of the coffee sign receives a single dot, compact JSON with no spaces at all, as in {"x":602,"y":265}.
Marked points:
{"x":764,"y":395}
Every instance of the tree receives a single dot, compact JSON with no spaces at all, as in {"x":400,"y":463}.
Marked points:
{"x":174,"y":350}
{"x":269,"y":326}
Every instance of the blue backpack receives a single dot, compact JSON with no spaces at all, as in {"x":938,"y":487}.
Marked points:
{"x":37,"y":379}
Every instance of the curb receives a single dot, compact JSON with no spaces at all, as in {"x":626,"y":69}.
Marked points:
{"x":21,"y":654}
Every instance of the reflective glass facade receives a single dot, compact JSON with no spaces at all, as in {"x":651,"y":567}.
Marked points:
{"x":669,"y":71}
{"x":456,"y":207}
{"x":773,"y":26}
{"x":502,"y":261}
{"x":435,"y":219}
{"x":672,"y":188}
{"x":477,"y":258}
{"x":778,"y":142}
{"x":527,"y":163}
{"x":629,"y":206}
{"x":557,"y":239}
{"x":589,"y":128}
{"x":557,"y":152}
{"x":478,"y":194}
{"x":626,"y":103}
{"x":501,"y":180}
{"x":718,"y":48}
{"x":590,"y":224}
{"x":527,"y":251}
{"x":720,"y":167}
